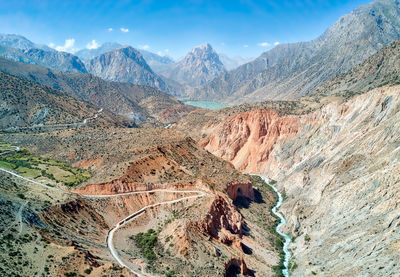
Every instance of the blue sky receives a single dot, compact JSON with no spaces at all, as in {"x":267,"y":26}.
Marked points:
{"x":237,"y":28}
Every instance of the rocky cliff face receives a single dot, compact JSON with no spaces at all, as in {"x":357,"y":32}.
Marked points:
{"x":248,"y":139}
{"x":292,"y":70}
{"x":125,"y":64}
{"x":200,"y":65}
{"x":339,"y":168}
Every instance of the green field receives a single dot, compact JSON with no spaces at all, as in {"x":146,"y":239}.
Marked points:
{"x":37,"y":167}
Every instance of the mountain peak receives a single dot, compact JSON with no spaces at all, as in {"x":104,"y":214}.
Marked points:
{"x":200,"y":65}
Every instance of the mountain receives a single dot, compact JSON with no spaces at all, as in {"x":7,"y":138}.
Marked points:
{"x":157,"y":63}
{"x":125,"y":64}
{"x":20,"y":42}
{"x":59,"y":61}
{"x":199,"y":66}
{"x":232,"y":63}
{"x":124,"y":99}
{"x":381,"y":69}
{"x":87,"y":54}
{"x":25,"y":103}
{"x":292,"y":70}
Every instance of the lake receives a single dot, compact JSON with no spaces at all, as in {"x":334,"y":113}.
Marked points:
{"x":211,"y":105}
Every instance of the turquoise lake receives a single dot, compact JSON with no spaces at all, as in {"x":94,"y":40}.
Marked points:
{"x":211,"y":105}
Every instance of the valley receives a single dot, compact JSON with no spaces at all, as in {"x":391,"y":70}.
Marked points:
{"x":123,"y":158}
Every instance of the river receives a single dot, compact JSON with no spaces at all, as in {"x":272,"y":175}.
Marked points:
{"x":288,"y":240}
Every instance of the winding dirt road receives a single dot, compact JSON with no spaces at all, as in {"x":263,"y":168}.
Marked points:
{"x":129,"y":218}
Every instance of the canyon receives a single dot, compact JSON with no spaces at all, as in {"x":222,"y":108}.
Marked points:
{"x":338,"y":169}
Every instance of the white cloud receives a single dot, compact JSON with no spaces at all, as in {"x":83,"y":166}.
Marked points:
{"x":110,"y":29}
{"x":246,"y":45}
{"x":124,"y":30}
{"x":276,"y":43}
{"x":160,"y":53}
{"x":67,"y":47}
{"x":92,"y":45}
{"x":166,"y":50}
{"x":264,"y":44}
{"x":144,"y":47}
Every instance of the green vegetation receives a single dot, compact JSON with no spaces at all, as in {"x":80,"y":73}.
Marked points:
{"x":146,"y":243}
{"x":35,"y":167}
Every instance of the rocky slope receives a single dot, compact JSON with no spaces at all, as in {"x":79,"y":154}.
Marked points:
{"x":125,"y":64}
{"x":24,"y":103}
{"x":137,"y":103}
{"x":199,"y":66}
{"x":382,"y":68}
{"x":338,"y":167}
{"x":292,"y":70}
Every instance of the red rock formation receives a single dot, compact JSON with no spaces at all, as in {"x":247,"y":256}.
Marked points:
{"x":222,"y":222}
{"x":247,"y":139}
{"x":234,"y":265}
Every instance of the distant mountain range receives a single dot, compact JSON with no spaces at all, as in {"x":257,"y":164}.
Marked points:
{"x":232,"y":63}
{"x":20,"y":42}
{"x":292,"y":70}
{"x":139,"y":103}
{"x":112,"y":61}
{"x":87,"y":54}
{"x":59,"y":61}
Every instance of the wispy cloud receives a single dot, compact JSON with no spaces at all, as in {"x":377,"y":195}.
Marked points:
{"x":67,"y":47}
{"x":144,"y":47}
{"x":245,"y":45}
{"x":124,"y":30}
{"x":92,"y":45}
{"x":264,"y":44}
{"x":110,"y":29}
{"x":276,"y":43}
